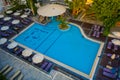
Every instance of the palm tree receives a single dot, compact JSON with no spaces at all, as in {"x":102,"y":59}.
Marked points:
{"x":76,"y":6}
{"x":63,"y":24}
{"x":31,"y":5}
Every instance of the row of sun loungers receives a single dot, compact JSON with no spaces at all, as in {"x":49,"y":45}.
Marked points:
{"x":110,"y":45}
{"x":97,"y":31}
{"x":7,"y":69}
{"x":110,"y":72}
{"x":44,"y":65}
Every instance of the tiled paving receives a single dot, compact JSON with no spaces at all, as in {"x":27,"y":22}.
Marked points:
{"x":29,"y":72}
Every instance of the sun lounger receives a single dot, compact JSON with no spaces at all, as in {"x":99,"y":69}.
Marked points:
{"x":109,"y":74}
{"x":113,"y":71}
{"x":4,"y":68}
{"x":7,"y":71}
{"x":98,"y":34}
{"x":48,"y":67}
{"x":98,"y":28}
{"x":115,"y":47}
{"x":44,"y":65}
{"x":5,"y":34}
{"x":94,"y":33}
{"x":15,"y":75}
{"x":20,"y":77}
{"x":109,"y":45}
{"x":95,"y":27}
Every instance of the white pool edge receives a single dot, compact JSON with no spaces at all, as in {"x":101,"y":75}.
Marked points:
{"x":66,"y":66}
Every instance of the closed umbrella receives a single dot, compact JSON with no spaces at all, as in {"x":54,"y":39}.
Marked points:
{"x":113,"y":56}
{"x":38,"y":58}
{"x":50,"y":10}
{"x":26,"y":52}
{"x":3,"y":40}
{"x":116,"y":41}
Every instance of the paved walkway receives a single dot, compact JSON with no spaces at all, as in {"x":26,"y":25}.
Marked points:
{"x":29,"y":72}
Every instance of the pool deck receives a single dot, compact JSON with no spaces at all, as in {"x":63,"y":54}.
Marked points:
{"x":27,"y":69}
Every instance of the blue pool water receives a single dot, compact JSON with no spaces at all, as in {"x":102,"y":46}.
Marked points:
{"x":68,"y":47}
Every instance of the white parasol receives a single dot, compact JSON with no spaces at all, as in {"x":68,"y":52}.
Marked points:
{"x":15,"y":21}
{"x":16,"y":14}
{"x":3,"y":40}
{"x":38,"y":58}
{"x":7,"y":18}
{"x":51,"y":10}
{"x":4,"y":28}
{"x":1,"y":16}
{"x":23,"y":16}
{"x":12,"y":45}
{"x":9,"y":12}
{"x":117,"y":34}
{"x":116,"y":41}
{"x":26,"y":52}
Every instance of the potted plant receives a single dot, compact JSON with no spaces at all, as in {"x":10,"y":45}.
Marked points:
{"x":63,"y":23}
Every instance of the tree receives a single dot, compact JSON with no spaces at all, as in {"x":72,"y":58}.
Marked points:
{"x":63,"y":24}
{"x":31,"y":5}
{"x":76,"y":6}
{"x":16,"y":5}
{"x":107,"y":11}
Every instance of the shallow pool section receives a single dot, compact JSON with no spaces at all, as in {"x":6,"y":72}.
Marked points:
{"x":68,"y":47}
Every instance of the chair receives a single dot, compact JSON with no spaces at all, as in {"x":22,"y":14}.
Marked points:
{"x":109,"y":46}
{"x":15,"y":75}
{"x":109,"y":74}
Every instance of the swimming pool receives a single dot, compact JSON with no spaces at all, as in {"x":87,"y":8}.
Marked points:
{"x":68,"y":47}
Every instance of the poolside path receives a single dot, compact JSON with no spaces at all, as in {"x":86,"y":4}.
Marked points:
{"x":29,"y":71}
